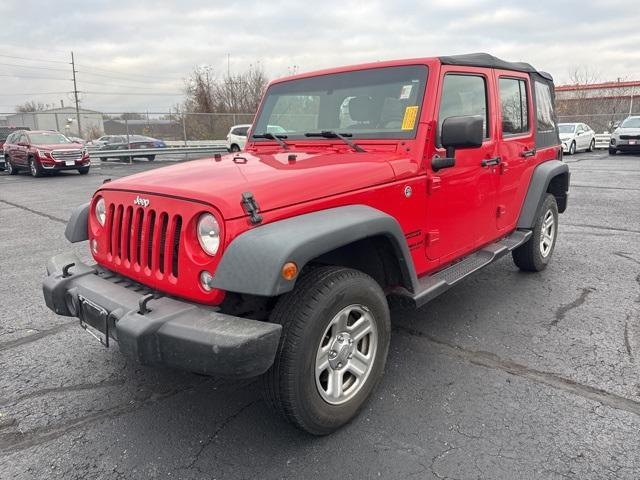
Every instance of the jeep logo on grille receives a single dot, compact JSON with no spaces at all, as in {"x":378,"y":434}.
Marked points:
{"x":143,"y":202}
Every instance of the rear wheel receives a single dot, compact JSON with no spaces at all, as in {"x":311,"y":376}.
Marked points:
{"x":83,"y":170}
{"x":35,"y":168}
{"x":234,"y":148}
{"x":535,"y":254}
{"x":612,"y":151}
{"x":8,"y":165}
{"x":103,"y":159}
{"x":333,"y":348}
{"x":592,"y":145}
{"x":151,"y":158}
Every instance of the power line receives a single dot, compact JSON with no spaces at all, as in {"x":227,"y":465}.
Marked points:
{"x":31,"y":93}
{"x":33,"y":66}
{"x":152,"y":94}
{"x":33,"y":59}
{"x":120,"y":73}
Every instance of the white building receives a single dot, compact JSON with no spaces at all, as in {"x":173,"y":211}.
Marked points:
{"x":61,"y":119}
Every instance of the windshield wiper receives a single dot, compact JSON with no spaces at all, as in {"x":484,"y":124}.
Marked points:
{"x":271,"y":136}
{"x":341,"y":136}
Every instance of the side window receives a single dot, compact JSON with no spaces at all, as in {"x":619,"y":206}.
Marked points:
{"x":579,"y":129}
{"x":23,"y":139}
{"x":544,"y":108}
{"x":464,"y":95}
{"x":242,"y":131}
{"x":514,"y":106}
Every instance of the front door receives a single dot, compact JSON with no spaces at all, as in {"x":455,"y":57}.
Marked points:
{"x":462,"y":199}
{"x":517,"y":147}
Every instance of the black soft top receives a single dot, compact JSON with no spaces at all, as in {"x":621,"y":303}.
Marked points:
{"x":489,"y":61}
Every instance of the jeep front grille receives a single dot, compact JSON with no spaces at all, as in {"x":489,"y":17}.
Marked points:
{"x":64,"y":155}
{"x":144,"y":239}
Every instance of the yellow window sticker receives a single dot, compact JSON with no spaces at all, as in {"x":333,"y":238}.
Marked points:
{"x":409,"y":120}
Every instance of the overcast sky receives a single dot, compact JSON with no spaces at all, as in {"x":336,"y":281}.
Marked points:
{"x":145,"y":48}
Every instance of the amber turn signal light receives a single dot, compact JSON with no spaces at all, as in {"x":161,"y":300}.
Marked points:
{"x":289,"y":271}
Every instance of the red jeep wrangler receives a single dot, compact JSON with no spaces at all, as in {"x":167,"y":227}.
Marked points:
{"x":393,"y":179}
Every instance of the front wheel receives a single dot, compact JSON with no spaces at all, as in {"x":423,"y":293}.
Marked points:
{"x":572,"y":148}
{"x":35,"y":168}
{"x":612,"y":151}
{"x":535,"y":254}
{"x":151,"y":158}
{"x":333,"y":348}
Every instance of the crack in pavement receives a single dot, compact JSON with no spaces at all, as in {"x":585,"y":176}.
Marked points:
{"x":36,"y":336}
{"x":36,"y":212}
{"x":494,"y":362}
{"x":226,"y":421}
{"x":16,"y":441}
{"x":68,"y":388}
{"x":601,"y":227}
{"x":627,"y":256}
{"x":627,"y":343}
{"x":561,"y":312}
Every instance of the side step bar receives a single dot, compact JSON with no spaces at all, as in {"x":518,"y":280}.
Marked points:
{"x":431,"y":286}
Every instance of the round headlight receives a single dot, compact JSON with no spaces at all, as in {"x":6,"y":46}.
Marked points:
{"x":101,"y":211}
{"x":209,"y":233}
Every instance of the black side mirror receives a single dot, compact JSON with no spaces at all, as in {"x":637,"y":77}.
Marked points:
{"x":458,"y":132}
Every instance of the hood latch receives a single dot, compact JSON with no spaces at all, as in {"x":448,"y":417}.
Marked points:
{"x":251,"y":208}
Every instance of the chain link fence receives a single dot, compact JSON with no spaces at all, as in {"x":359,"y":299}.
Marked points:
{"x":168,"y":126}
{"x":599,"y":122}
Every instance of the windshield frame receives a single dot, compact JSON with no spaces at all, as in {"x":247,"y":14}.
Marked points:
{"x":396,"y":135}
{"x":572,"y":125}
{"x":635,"y":120}
{"x":30,"y":136}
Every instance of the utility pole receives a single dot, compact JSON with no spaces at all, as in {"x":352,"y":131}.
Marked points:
{"x":75,"y":94}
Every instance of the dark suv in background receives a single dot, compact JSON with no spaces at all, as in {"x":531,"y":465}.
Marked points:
{"x":44,"y":151}
{"x":6,"y":134}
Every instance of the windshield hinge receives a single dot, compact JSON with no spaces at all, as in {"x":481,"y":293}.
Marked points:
{"x":251,"y":208}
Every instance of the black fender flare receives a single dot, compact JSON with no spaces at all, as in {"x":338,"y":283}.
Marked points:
{"x":539,"y":186}
{"x":78,"y":225}
{"x":253,"y":261}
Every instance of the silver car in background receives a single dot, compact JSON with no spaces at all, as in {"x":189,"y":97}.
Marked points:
{"x":626,"y":138}
{"x":577,"y":136}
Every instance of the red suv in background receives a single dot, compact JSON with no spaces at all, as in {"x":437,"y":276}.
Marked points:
{"x":43,"y":151}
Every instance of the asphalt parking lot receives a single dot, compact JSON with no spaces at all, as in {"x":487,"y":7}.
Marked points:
{"x":508,"y":375}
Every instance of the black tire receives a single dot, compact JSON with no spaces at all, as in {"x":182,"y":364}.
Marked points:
{"x":8,"y":165}
{"x":572,"y":148}
{"x":103,"y":159}
{"x":592,"y":145}
{"x":305,"y":315}
{"x":234,"y":148}
{"x":612,"y":151}
{"x":151,"y":158}
{"x":83,"y":170}
{"x":531,"y":256}
{"x":35,"y":168}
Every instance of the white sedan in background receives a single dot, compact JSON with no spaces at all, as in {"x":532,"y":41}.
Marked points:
{"x":577,"y":136}
{"x":237,"y":137}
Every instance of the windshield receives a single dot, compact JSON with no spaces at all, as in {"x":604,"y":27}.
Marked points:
{"x":566,"y":128}
{"x":46,"y":138}
{"x":633,"y":122}
{"x":374,"y":103}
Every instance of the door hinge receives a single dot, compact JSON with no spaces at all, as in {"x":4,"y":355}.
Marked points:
{"x":433,"y":184}
{"x":251,"y":208}
{"x":432,"y":237}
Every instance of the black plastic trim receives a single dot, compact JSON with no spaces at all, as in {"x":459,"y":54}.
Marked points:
{"x":252,"y":262}
{"x":78,"y":226}
{"x":538,"y":187}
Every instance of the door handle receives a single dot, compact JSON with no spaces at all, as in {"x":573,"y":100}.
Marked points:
{"x":528,"y":153}
{"x":491,"y":162}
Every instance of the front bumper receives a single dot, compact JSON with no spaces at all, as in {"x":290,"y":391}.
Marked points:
{"x":59,"y":166}
{"x":171,"y":332}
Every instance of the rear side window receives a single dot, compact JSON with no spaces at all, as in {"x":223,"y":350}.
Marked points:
{"x":240,"y":131}
{"x":544,"y":108}
{"x":464,"y":95}
{"x":514,"y":106}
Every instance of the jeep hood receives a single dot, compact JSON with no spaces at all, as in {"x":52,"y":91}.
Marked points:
{"x":274,"y":181}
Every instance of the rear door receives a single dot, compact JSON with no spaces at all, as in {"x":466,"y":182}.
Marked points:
{"x":462,"y":201}
{"x":21,"y":150}
{"x":517,"y":145}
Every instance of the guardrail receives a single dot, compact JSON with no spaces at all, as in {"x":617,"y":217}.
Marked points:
{"x":602,"y":140}
{"x":148,"y":152}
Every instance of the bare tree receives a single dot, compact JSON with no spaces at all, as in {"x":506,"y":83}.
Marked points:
{"x":30,"y":106}
{"x":232,"y":95}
